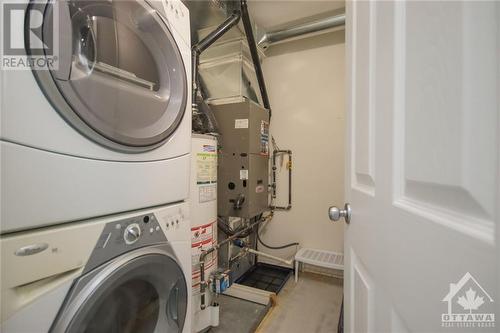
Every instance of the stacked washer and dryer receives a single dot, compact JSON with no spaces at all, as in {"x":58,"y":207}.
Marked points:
{"x":95,"y":156}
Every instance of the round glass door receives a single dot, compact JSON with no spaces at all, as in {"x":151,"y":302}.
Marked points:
{"x":120,"y":77}
{"x":146,"y":295}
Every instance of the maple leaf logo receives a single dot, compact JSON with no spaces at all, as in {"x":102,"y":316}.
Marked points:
{"x":470,"y":301}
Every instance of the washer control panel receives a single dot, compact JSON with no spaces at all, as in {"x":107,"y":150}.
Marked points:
{"x":119,"y":236}
{"x":124,"y":235}
{"x":141,"y":230}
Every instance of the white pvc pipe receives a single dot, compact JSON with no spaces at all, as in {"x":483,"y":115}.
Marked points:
{"x":214,"y":315}
{"x":262,"y":254}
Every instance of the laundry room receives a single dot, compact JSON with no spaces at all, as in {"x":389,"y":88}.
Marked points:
{"x":280,"y":143}
{"x":239,"y":166}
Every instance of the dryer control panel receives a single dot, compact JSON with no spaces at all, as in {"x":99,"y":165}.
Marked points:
{"x":149,"y":227}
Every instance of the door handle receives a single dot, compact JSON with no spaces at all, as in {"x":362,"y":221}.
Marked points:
{"x":335,"y":213}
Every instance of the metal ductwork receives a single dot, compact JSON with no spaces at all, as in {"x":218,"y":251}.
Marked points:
{"x":276,"y":36}
{"x":205,"y":43}
{"x":247,"y":24}
{"x":203,"y":119}
{"x":209,"y":13}
{"x":198,"y":100}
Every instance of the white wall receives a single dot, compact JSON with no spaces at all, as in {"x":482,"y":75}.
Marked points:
{"x":305,"y":81}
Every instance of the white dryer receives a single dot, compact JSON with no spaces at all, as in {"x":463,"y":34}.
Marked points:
{"x":108,"y":129}
{"x":126,"y":273}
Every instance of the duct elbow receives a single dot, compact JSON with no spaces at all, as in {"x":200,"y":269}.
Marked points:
{"x":263,"y":42}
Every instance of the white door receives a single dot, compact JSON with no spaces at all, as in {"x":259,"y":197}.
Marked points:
{"x":423,"y":166}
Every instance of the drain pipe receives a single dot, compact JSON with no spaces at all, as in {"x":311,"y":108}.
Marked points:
{"x":276,"y":36}
{"x":202,"y":45}
{"x":263,"y":254}
{"x":246,"y":250}
{"x":255,"y":55}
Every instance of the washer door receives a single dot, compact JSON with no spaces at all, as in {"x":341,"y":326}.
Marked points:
{"x":119,"y":78}
{"x":146,"y":294}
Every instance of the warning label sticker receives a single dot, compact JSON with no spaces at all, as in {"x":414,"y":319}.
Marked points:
{"x":202,"y":238}
{"x":241,"y":123}
{"x":206,"y":168}
{"x":264,"y":138}
{"x":207,"y":193}
{"x":243,"y":174}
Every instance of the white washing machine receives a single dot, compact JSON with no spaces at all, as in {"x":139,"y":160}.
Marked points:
{"x":108,"y":129}
{"x":125,"y":274}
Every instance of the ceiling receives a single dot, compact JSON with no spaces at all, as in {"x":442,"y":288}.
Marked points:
{"x":270,"y":14}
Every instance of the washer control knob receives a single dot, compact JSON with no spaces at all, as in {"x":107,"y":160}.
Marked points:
{"x":132,"y":233}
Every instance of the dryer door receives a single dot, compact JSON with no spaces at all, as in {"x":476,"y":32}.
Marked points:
{"x":119,"y":77}
{"x":145,"y":294}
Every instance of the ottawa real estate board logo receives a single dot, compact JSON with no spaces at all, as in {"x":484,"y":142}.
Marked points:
{"x":469,"y":305}
{"x":29,"y":37}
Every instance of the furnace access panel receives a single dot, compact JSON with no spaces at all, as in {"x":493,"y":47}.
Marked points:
{"x":243,"y":168}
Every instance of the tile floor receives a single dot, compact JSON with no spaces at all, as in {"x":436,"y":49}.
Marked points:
{"x":310,"y":306}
